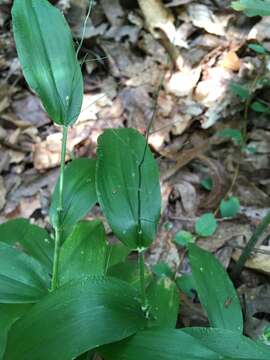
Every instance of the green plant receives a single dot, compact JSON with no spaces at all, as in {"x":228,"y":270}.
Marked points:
{"x":57,"y":300}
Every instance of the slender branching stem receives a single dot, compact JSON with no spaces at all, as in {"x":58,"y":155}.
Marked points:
{"x":59,"y":222}
{"x":251,"y":245}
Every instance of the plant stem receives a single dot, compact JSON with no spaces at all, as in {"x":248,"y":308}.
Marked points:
{"x":251,"y":245}
{"x":142,"y":280}
{"x":59,"y":226}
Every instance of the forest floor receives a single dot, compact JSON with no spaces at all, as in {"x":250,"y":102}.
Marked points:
{"x":184,"y":67}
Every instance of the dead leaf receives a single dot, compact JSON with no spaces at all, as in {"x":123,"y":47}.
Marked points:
{"x":231,"y":61}
{"x":259,"y":262}
{"x":203,"y":17}
{"x":182,"y":83}
{"x":30,"y":110}
{"x":3,"y":193}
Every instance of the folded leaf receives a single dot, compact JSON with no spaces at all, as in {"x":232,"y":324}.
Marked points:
{"x":74,"y":319}
{"x":34,"y":240}
{"x":79,"y":193}
{"x":47,"y":56}
{"x":22,"y":278}
{"x":84,"y":252}
{"x":187,"y":344}
{"x":215,"y":290}
{"x":163,"y":299}
{"x":119,"y":155}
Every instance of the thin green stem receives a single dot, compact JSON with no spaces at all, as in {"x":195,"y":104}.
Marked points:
{"x":59,"y":226}
{"x":142,"y":280}
{"x":251,"y":245}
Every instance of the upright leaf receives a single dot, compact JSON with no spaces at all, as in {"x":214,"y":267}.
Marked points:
{"x":84,"y":252}
{"x":215,"y":290}
{"x":22,"y":278}
{"x":34,"y":240}
{"x":79,"y":193}
{"x":74,"y":319}
{"x":163,"y":298}
{"x":47,"y":56}
{"x":186,"y":344}
{"x":119,"y":155}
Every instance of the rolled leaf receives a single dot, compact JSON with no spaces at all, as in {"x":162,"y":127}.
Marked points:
{"x":79,"y":193}
{"x":216,"y":291}
{"x":22,"y":278}
{"x":119,"y":155}
{"x":75,"y":318}
{"x":84,"y":252}
{"x":186,"y":344}
{"x":33,"y":239}
{"x":47,"y":56}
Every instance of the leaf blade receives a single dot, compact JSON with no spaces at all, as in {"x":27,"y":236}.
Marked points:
{"x":79,"y":193}
{"x":84,"y":252}
{"x":34,"y":240}
{"x":119,"y":155}
{"x":22,"y":278}
{"x":48,"y":59}
{"x":104,"y":309}
{"x":215,"y":290}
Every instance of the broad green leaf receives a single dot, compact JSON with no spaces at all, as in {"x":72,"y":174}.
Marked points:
{"x":186,"y":344}
{"x":240,"y":90}
{"x":216,"y":291}
{"x":253,"y":7}
{"x":22,"y":278}
{"x":9,"y":313}
{"x":183,"y":238}
{"x":232,"y":134}
{"x":258,"y":48}
{"x":116,"y":253}
{"x":206,"y":225}
{"x":79,"y":193}
{"x":128,"y":271}
{"x":84,"y":252}
{"x":119,"y":155}
{"x":260,"y":107}
{"x":230,"y":207}
{"x":75,"y":318}
{"x":163,"y":298}
{"x":33,"y":239}
{"x":47,"y":56}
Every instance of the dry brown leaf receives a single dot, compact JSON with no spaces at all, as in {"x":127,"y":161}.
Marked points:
{"x":47,"y":154}
{"x":259,"y":262}
{"x":3,"y":193}
{"x":231,"y":61}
